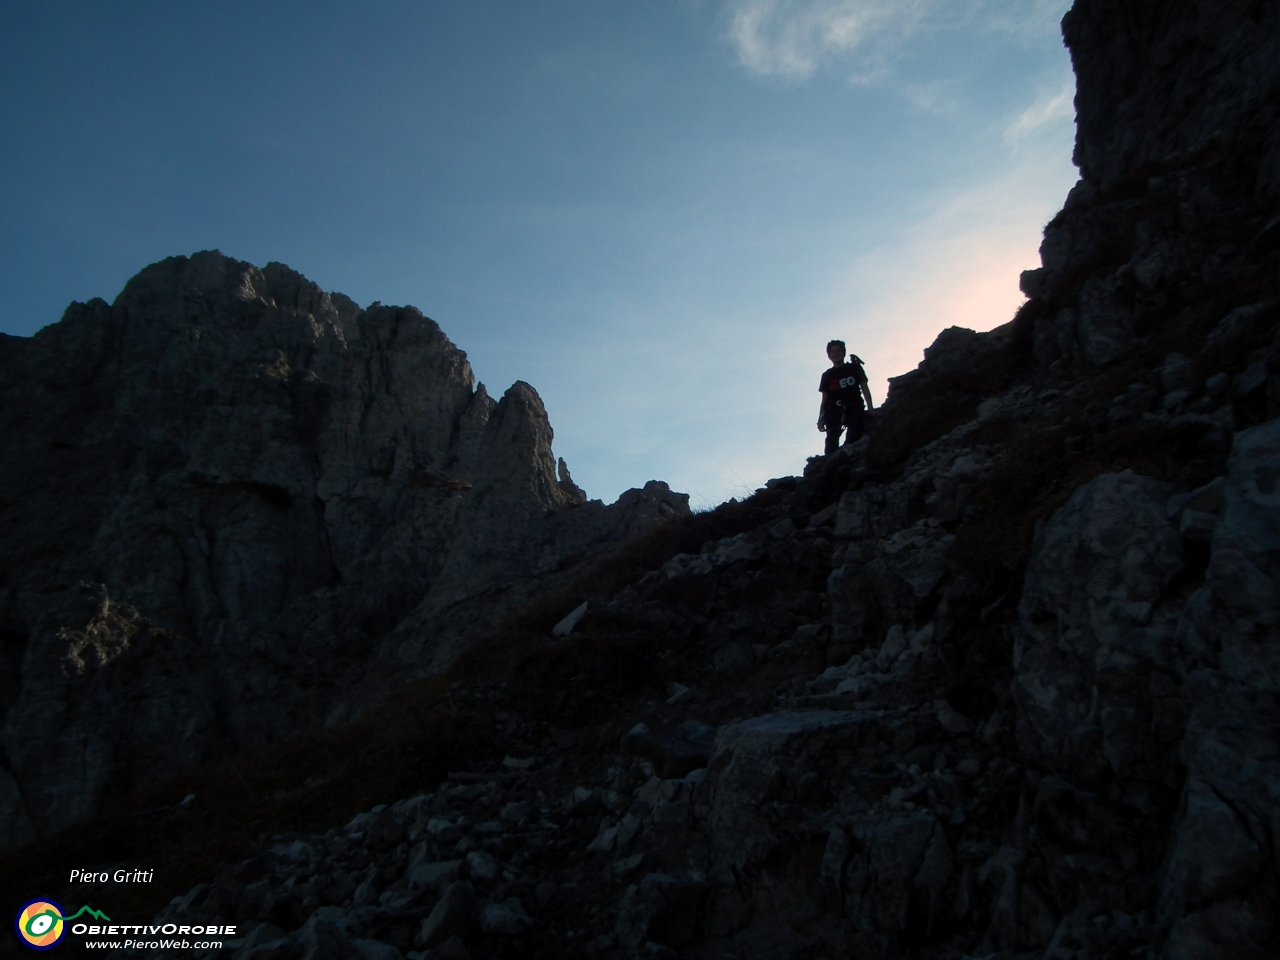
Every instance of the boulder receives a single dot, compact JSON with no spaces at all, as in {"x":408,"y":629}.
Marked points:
{"x":673,"y":754}
{"x":1092,"y":636}
{"x":452,"y":915}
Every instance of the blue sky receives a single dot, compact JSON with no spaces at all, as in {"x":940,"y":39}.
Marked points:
{"x":655,"y":212}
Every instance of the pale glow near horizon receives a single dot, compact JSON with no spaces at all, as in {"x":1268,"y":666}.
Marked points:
{"x":958,"y":264}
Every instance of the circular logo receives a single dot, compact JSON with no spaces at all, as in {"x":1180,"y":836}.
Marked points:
{"x":40,"y":924}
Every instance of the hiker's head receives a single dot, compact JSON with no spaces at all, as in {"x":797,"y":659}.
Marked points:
{"x":835,"y":351}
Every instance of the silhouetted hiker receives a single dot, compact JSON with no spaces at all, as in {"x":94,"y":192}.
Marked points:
{"x":842,"y":388}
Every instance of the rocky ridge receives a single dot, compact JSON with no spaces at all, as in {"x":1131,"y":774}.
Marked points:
{"x":234,"y":506}
{"x":799,"y":788}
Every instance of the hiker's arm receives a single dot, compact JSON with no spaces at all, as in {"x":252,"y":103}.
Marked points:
{"x":866,"y":393}
{"x":822,"y":414}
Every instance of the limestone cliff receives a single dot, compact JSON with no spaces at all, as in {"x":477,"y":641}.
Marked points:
{"x":227,"y":500}
{"x":1179,"y":158}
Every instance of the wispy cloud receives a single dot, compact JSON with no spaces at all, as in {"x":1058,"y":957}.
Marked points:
{"x":1050,"y":107}
{"x":936,"y":97}
{"x":1019,"y":17}
{"x":793,"y":39}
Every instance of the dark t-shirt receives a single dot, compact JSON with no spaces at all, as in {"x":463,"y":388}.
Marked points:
{"x":843,"y":385}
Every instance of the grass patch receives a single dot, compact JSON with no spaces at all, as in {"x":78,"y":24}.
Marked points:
{"x":321,"y":778}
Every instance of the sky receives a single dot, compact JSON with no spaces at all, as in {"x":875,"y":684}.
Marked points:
{"x":657,"y":213}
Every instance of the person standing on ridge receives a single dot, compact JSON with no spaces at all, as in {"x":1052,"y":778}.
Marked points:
{"x":843,"y":388}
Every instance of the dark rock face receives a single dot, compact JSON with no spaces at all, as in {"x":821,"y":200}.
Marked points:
{"x":1091,"y":611}
{"x":1159,"y":82}
{"x":228,"y":500}
{"x":1179,"y":158}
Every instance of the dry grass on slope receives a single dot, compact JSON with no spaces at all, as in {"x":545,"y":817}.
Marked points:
{"x":321,"y":778}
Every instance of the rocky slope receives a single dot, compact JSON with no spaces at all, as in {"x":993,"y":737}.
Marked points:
{"x":1000,"y":681}
{"x":233,"y":506}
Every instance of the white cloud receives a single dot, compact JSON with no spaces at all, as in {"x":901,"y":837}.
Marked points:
{"x":937,"y":97}
{"x":1054,"y":106}
{"x":1020,"y":17}
{"x":792,"y":39}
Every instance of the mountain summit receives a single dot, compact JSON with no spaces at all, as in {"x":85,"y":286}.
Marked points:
{"x":235,"y":506}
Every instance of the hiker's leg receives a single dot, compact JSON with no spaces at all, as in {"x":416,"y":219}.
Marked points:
{"x":834,"y":423}
{"x":856,"y":421}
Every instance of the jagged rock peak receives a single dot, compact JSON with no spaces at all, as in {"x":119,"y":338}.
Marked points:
{"x":235,"y":466}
